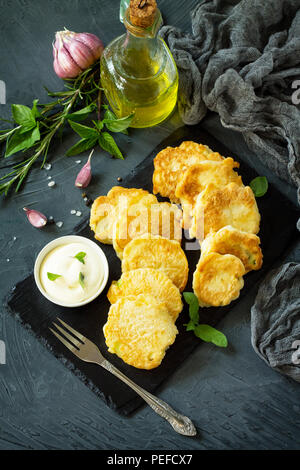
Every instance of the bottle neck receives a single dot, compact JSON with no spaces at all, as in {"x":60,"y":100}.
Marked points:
{"x":139,"y":43}
{"x":139,"y":32}
{"x":140,"y":56}
{"x":141,"y":53}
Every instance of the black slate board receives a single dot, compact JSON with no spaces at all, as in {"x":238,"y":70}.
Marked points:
{"x":36,"y":313}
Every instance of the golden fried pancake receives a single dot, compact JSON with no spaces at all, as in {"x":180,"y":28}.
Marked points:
{"x":230,"y":205}
{"x":105,"y":209}
{"x":157,"y":253}
{"x":101,"y":219}
{"x":139,"y":330}
{"x":171,"y":162}
{"x":148,"y":281}
{"x":195,"y":148}
{"x":162,"y":219}
{"x":243,"y":245}
{"x":196,"y":178}
{"x":218,"y":279}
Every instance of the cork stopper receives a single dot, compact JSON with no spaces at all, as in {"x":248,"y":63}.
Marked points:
{"x":142,"y":12}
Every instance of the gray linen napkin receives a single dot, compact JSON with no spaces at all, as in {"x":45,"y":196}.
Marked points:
{"x":275,"y":319}
{"x":241,"y":61}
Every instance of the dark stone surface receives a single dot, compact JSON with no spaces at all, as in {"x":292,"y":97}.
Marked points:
{"x":235,"y":400}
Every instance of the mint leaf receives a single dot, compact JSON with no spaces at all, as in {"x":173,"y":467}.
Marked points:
{"x":82,"y":114}
{"x":82,"y":146}
{"x":107,"y":142}
{"x":53,"y":277}
{"x":80,"y":256}
{"x":84,"y":131}
{"x":22,"y":141}
{"x":118,"y":125}
{"x":259,"y":186}
{"x":23,"y":116}
{"x":190,"y":326}
{"x":81,"y":280}
{"x":190,"y":297}
{"x":210,"y":335}
{"x":192,"y":300}
{"x":205,"y":332}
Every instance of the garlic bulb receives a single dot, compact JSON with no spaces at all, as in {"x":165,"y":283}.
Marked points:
{"x":75,"y":52}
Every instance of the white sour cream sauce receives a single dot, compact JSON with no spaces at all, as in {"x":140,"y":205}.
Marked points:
{"x":67,"y":288}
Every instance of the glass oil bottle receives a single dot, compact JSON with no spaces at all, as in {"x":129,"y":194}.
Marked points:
{"x":138,"y":72}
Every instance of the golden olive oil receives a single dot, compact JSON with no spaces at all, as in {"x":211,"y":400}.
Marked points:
{"x":139,"y":76}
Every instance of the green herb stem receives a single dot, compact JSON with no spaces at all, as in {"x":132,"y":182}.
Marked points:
{"x":50,"y":121}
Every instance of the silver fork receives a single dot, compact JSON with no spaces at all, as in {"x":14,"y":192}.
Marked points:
{"x":89,"y":352}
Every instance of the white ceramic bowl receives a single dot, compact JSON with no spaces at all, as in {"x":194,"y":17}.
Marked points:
{"x":62,"y":241}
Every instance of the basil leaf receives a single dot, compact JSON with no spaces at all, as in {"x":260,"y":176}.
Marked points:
{"x":22,"y":141}
{"x":80,"y":256}
{"x":99,"y":125}
{"x":192,"y":300}
{"x":25,"y":129}
{"x":211,"y":335}
{"x":53,"y":277}
{"x":84,"y":131}
{"x":107,"y":142}
{"x":35,"y":111}
{"x":118,"y":125}
{"x":82,"y":114}
{"x":81,"y":280}
{"x":109,"y":114}
{"x":82,"y":146}
{"x":23,"y":115}
{"x":259,"y":186}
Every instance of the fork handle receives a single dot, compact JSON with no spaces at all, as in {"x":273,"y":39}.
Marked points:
{"x":181,"y":424}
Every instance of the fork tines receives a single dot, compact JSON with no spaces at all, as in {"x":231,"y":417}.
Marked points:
{"x":74,"y":342}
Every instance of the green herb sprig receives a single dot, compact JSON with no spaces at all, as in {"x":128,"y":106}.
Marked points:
{"x":205,"y":332}
{"x":34,"y":128}
{"x":53,"y":277}
{"x":80,"y":256}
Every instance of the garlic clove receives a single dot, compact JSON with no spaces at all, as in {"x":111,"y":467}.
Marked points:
{"x":85,"y":175}
{"x":36,"y":218}
{"x":80,"y":53}
{"x":65,"y":66}
{"x":93,"y":42}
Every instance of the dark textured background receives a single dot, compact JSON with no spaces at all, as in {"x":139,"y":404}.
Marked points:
{"x":235,"y":400}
